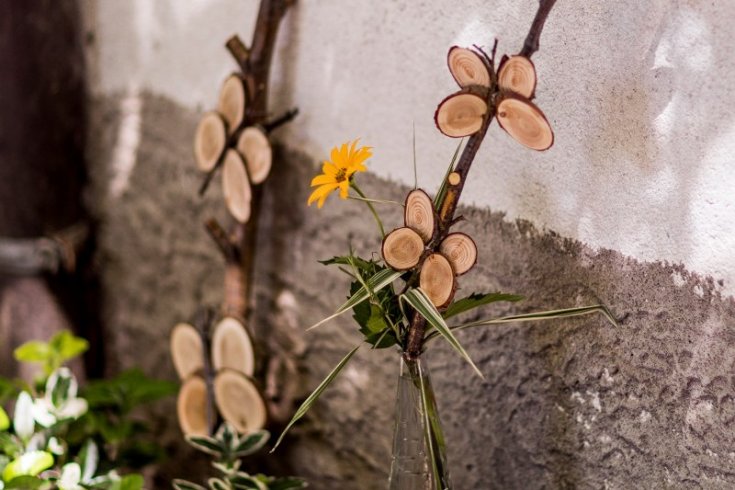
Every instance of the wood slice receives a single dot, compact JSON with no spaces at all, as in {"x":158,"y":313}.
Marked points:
{"x":468,"y":67}
{"x":437,"y":279}
{"x":232,"y":347}
{"x":254,"y":146}
{"x":186,"y":350}
{"x":460,"y":250}
{"x":461,"y":114}
{"x":191,"y":407}
{"x":232,"y":100}
{"x":518,"y":74}
{"x":402,"y":248}
{"x":525,"y":122}
{"x":209,"y":141}
{"x":236,"y":186}
{"x":419,"y":214}
{"x":239,"y":401}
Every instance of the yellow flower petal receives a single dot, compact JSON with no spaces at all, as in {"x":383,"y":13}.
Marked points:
{"x":344,"y":161}
{"x":329,"y":169}
{"x":321,"y":193}
{"x":344,"y":189}
{"x":322,"y":179}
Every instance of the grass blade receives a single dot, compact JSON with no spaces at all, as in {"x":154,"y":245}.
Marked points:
{"x":415,"y":170}
{"x":316,"y":394}
{"x":375,"y":284}
{"x":539,"y":316}
{"x":475,"y":300}
{"x":424,"y":307}
{"x":443,"y":188}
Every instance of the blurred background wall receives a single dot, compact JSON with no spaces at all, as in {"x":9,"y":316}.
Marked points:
{"x":631,"y":207}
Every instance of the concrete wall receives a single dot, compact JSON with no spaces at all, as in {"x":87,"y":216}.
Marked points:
{"x":631,"y":207}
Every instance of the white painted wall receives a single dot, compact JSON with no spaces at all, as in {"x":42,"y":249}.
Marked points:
{"x":640,"y":94}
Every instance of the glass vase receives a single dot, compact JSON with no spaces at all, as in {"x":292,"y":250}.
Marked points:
{"x":419,"y":452}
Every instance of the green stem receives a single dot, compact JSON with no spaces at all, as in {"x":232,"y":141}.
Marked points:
{"x":370,"y":205}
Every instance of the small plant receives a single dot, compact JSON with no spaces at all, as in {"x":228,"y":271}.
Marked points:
{"x":68,"y":437}
{"x":228,"y":448}
{"x":35,"y":454}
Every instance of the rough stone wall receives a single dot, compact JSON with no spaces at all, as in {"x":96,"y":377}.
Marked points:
{"x":565,"y":404}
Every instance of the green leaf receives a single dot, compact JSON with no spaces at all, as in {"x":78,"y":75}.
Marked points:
{"x":227,"y":438}
{"x":129,"y":482}
{"x":227,"y":467}
{"x":32,"y":351}
{"x":315,"y":395}
{"x":443,"y":187}
{"x":4,"y":420}
{"x":375,"y":283}
{"x":287,"y":483}
{"x":71,"y":476}
{"x":424,"y":307}
{"x":206,"y":444}
{"x":23,"y":422}
{"x":477,"y":299}
{"x":26,"y":483}
{"x":61,"y":386}
{"x":186,"y":485}
{"x":432,"y":437}
{"x":8,"y":389}
{"x":29,"y":464}
{"x":543,"y":315}
{"x":10,"y":445}
{"x":243,"y":481}
{"x":359,"y":262}
{"x":252,"y":443}
{"x":67,"y":345}
{"x":89,"y":458}
{"x":217,"y":484}
{"x":128,"y":390}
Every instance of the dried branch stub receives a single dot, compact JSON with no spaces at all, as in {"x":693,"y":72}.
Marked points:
{"x":232,"y":101}
{"x":232,"y":347}
{"x":239,"y":401}
{"x":460,"y":250}
{"x":437,"y":279}
{"x":419,"y":214}
{"x":236,"y":186}
{"x":525,"y":122}
{"x":210,"y":140}
{"x":402,"y":248}
{"x":255,"y":148}
{"x":462,"y":113}
{"x":468,"y":67}
{"x":518,"y":74}
{"x":191,"y":407}
{"x":186,"y":350}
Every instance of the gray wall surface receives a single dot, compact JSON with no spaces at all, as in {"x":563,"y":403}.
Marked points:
{"x":565,"y":404}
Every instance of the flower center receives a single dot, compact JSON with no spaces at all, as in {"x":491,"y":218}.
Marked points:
{"x":341,"y":175}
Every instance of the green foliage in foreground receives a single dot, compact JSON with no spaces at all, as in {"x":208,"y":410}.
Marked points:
{"x":66,"y":437}
{"x":227,"y":448}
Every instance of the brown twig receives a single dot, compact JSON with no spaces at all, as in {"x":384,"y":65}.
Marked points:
{"x":239,"y":51}
{"x":531,"y":44}
{"x":238,"y":247}
{"x":284,"y":118}
{"x":202,"y":323}
{"x":449,"y":204}
{"x":223,"y":241}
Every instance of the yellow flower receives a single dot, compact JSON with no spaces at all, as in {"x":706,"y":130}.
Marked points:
{"x":337,"y":171}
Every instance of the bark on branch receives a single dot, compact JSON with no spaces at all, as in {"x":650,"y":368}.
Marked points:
{"x":531,"y":44}
{"x":238,"y":246}
{"x":455,"y":185}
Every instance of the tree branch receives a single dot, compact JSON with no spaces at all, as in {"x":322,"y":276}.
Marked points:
{"x":531,"y":44}
{"x":448,"y":206}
